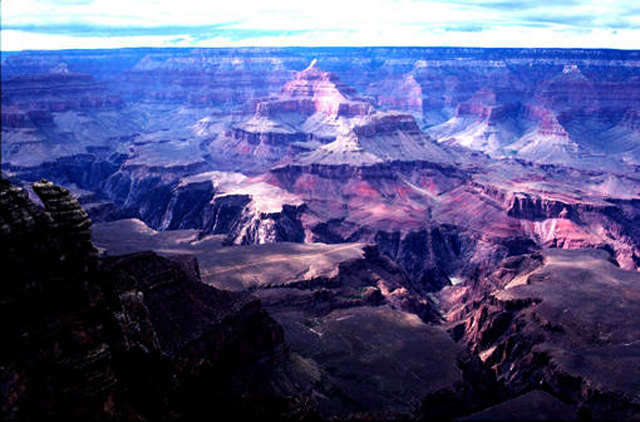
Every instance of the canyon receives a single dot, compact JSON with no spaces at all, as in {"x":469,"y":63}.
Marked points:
{"x":322,"y":233}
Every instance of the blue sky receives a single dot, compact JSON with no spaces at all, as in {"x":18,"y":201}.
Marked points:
{"x":49,"y":24}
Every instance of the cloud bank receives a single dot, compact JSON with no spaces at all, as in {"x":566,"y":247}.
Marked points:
{"x":61,"y":24}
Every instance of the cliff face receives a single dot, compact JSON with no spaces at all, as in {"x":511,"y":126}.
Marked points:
{"x":189,"y":207}
{"x":526,"y":207}
{"x":131,"y":337}
{"x":440,"y":221}
{"x":373,"y":280}
{"x":190,"y":320}
{"x":253,"y":228}
{"x":57,"y":91}
{"x":248,"y":211}
{"x":57,"y":355}
{"x":223,"y":215}
{"x":427,"y":255}
{"x":537,"y":327}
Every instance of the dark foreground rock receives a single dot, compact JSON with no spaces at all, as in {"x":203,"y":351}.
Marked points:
{"x":130,"y":338}
{"x":535,"y":405}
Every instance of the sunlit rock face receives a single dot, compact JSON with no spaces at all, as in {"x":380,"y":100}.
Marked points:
{"x":537,"y":327}
{"x":310,"y":110}
{"x":379,"y":138}
{"x":327,"y":140}
{"x":572,"y":115}
{"x":323,"y":92}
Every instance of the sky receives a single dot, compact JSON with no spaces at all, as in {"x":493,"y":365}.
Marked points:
{"x":62,"y":24}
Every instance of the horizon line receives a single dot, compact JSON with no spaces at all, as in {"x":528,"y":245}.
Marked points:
{"x":281,"y":47}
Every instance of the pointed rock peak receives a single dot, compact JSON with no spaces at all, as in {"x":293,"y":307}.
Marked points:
{"x":316,"y":83}
{"x":314,"y":71}
{"x":419,"y":64}
{"x":570,"y":68}
{"x":313,"y":65}
{"x":351,"y":140}
{"x":61,"y":69}
{"x":572,"y":72}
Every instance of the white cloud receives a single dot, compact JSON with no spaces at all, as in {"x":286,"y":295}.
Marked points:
{"x":32,"y":24}
{"x":498,"y":37}
{"x":19,"y":40}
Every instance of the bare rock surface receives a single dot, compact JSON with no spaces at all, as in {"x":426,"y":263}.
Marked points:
{"x":563,"y":321}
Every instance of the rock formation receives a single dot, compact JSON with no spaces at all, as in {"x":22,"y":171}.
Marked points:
{"x":57,"y":359}
{"x":560,"y":321}
{"x":308,"y":111}
{"x":428,"y":186}
{"x":131,"y":337}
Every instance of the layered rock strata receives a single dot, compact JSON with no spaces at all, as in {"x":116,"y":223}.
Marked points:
{"x":560,"y":321}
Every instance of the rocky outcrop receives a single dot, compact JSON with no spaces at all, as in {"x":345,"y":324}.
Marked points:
{"x":384,"y":124}
{"x":224,"y":214}
{"x":176,"y":338}
{"x":188,"y":207}
{"x":535,"y":209}
{"x":267,"y":138}
{"x":402,"y":93}
{"x":379,"y":138}
{"x":86,"y":171}
{"x":305,"y":114}
{"x":129,"y":338}
{"x":434,"y":255}
{"x":537,"y":321}
{"x":324,"y":93}
{"x":373,"y":280}
{"x":71,"y":220}
{"x":288,"y":175}
{"x":546,"y":121}
{"x":192,"y":321}
{"x":247,"y":211}
{"x":354,"y":327}
{"x":569,"y":221}
{"x":57,"y":360}
{"x":252,"y":228}
{"x":14,"y":118}
{"x":631,"y":120}
{"x":149,"y":196}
